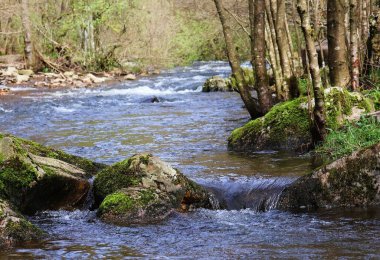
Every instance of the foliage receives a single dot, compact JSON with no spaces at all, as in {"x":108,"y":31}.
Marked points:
{"x":351,"y":137}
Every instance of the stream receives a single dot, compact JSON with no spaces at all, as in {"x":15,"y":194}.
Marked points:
{"x":188,"y":129}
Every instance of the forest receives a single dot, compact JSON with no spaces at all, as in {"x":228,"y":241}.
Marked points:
{"x":217,"y":129}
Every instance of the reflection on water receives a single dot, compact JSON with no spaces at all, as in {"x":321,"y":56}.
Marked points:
{"x":188,"y":129}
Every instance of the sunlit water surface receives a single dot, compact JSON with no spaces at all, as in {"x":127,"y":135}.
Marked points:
{"x":189,"y":130}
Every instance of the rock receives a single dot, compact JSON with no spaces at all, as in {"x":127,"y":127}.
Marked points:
{"x":352,"y":181}
{"x":215,"y":84}
{"x":95,"y":79}
{"x":286,"y":126}
{"x":15,"y":229}
{"x":26,"y":72}
{"x":130,"y":77}
{"x":69,"y":74}
{"x":10,"y":72}
{"x":21,"y":78}
{"x":33,"y":177}
{"x":4,"y":91}
{"x":143,"y":189}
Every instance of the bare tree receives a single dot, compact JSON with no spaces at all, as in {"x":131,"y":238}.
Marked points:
{"x":319,"y":119}
{"x":336,"y":35}
{"x":28,"y":48}
{"x":257,"y":22}
{"x":250,"y":103}
{"x":354,"y":45}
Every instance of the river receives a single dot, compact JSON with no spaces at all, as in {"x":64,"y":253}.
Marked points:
{"x":188,"y":129}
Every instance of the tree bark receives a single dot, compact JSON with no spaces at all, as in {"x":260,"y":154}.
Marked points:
{"x":250,"y":104}
{"x":278,"y":12}
{"x":354,"y":45}
{"x":319,"y":120}
{"x":257,"y":22}
{"x":28,"y":48}
{"x":336,"y":35}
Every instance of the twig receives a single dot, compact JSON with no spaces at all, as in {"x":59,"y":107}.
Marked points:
{"x":238,"y":22}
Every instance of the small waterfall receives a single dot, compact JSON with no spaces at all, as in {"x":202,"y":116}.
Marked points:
{"x":258,"y":194}
{"x":89,"y":201}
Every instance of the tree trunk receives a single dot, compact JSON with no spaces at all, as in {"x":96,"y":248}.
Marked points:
{"x":250,"y":104}
{"x":278,"y":11}
{"x":354,"y":45}
{"x":336,"y":35}
{"x":28,"y":48}
{"x":257,"y":22}
{"x":272,"y":56}
{"x":319,"y":108}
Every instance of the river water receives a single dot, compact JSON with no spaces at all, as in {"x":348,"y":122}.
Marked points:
{"x":188,"y":129}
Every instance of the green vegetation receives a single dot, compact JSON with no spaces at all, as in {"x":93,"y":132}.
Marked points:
{"x":287,"y":125}
{"x":120,"y":202}
{"x":113,"y":178}
{"x":351,"y":137}
{"x":15,"y":176}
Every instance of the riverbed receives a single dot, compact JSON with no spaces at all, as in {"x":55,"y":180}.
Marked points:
{"x":188,"y":129}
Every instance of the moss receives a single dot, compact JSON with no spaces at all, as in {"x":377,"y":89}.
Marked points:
{"x":113,"y":178}
{"x":145,"y":159}
{"x":287,"y":125}
{"x":374,"y":96}
{"x":15,"y":177}
{"x":147,"y":196}
{"x":117,"y":202}
{"x":24,"y":146}
{"x":120,"y":202}
{"x":276,"y":129}
{"x":23,"y":231}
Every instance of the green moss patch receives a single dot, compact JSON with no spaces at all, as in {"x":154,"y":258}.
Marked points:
{"x":113,"y":178}
{"x":121,"y":202}
{"x":15,"y":177}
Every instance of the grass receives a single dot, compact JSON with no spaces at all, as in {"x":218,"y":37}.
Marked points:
{"x":349,"y":138}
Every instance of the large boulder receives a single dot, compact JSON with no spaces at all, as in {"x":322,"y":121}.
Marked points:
{"x":287,"y":126}
{"x":15,"y":229}
{"x":143,"y":189}
{"x":215,"y":84}
{"x":33,"y":177}
{"x":352,"y":181}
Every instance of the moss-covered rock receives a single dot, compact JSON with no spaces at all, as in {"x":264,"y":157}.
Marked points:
{"x":352,"y":181}
{"x":287,"y":125}
{"x":32,"y":182}
{"x":15,"y":229}
{"x":26,"y":146}
{"x":217,"y":84}
{"x":136,"y":206}
{"x":121,"y":188}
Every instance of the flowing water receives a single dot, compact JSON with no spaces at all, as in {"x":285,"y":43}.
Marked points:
{"x":188,"y":129}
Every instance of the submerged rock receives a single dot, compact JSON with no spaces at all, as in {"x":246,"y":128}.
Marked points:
{"x":15,"y":229}
{"x":352,"y":181}
{"x":286,"y":126}
{"x":215,"y":84}
{"x":33,"y":177}
{"x":143,"y":189}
